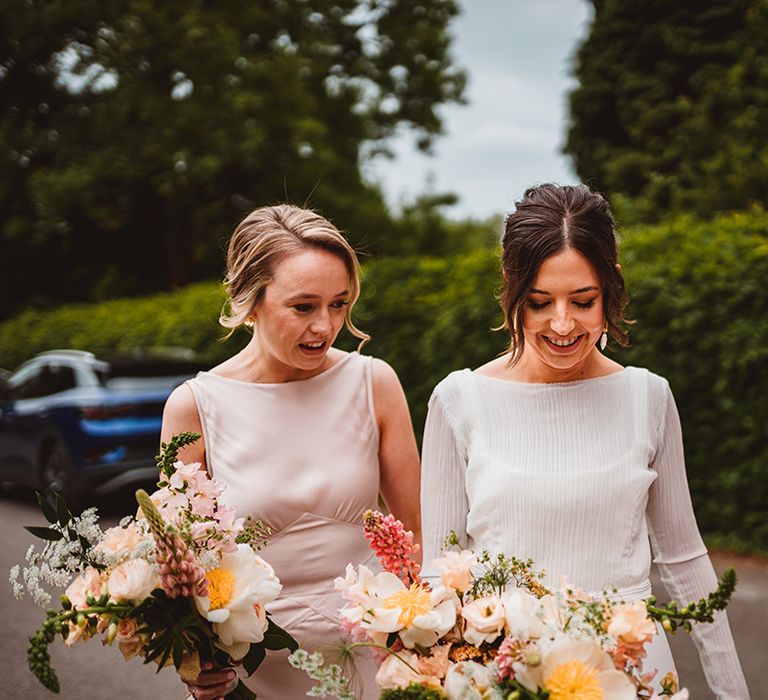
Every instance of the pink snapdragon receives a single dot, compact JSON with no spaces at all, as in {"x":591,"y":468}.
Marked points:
{"x":393,"y":546}
{"x":505,"y":659}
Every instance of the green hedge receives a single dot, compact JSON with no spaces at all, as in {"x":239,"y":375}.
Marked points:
{"x":698,"y":291}
{"x":700,"y":295}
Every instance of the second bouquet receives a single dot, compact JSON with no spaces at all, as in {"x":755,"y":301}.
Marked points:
{"x":181,"y":583}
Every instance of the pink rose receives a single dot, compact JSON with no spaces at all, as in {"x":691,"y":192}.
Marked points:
{"x":87,"y":582}
{"x":133,"y":580}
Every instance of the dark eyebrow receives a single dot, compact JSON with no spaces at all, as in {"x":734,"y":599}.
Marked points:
{"x":302,"y":297}
{"x":575,"y":291}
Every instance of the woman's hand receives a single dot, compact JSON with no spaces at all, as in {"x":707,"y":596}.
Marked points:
{"x":212,"y":685}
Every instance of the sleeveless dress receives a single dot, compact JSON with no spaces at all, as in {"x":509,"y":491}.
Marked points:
{"x":302,"y":457}
{"x":585,"y":477}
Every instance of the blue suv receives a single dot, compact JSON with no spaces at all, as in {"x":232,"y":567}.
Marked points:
{"x":75,"y":424}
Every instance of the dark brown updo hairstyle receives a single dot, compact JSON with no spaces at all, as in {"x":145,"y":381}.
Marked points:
{"x":549,"y":219}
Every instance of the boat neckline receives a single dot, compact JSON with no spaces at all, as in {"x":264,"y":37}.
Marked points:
{"x":324,"y":373}
{"x":573,"y":382}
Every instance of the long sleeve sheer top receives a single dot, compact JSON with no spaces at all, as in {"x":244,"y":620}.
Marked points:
{"x":586,"y":477}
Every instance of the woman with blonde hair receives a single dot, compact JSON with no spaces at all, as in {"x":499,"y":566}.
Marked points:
{"x":304,"y":436}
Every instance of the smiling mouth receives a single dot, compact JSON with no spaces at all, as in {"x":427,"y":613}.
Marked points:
{"x":317,"y":346}
{"x":563,"y":344}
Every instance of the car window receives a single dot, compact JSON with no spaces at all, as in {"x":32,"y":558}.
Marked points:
{"x":42,"y":380}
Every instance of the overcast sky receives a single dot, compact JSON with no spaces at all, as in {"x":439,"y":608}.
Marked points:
{"x":517,"y":55}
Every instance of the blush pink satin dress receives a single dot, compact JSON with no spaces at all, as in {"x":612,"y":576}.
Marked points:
{"x":302,"y":457}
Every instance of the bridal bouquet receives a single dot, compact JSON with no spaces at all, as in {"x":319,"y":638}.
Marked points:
{"x":490,"y":630}
{"x":180,"y":583}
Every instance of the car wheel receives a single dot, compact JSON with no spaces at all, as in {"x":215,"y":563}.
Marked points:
{"x":56,"y":474}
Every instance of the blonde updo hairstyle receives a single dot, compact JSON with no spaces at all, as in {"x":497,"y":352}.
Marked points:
{"x":266,"y":237}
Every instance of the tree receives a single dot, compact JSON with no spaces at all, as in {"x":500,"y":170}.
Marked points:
{"x":671,"y":109}
{"x":136,"y":134}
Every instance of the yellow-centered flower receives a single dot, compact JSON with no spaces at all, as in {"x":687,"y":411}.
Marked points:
{"x":412,"y":602}
{"x":221,"y":584}
{"x":574,"y":680}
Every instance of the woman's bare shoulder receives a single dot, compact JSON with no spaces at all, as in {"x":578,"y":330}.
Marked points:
{"x":180,"y":413}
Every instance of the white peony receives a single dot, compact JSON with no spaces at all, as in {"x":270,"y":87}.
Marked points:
{"x":523,"y":614}
{"x":381,"y":604}
{"x":237,"y":592}
{"x":580,"y":666}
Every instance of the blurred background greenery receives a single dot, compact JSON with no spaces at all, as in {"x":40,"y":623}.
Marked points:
{"x":136,"y":135}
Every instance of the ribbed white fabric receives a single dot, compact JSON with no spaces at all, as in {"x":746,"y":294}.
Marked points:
{"x":583,"y":477}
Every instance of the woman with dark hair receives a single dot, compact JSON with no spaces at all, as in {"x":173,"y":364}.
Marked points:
{"x":556,"y":452}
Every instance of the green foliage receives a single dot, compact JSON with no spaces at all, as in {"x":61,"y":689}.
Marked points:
{"x":188,"y":318}
{"x":671,"y":109}
{"x":413,"y":691}
{"x":423,"y":229}
{"x":429,"y":317}
{"x":496,"y":572}
{"x":673,"y":615}
{"x":169,"y":452}
{"x":134,"y":135}
{"x":698,"y":293}
{"x":697,"y":290}
{"x":38,"y":658}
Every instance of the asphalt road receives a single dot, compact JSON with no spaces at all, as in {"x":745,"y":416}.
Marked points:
{"x":90,"y":672}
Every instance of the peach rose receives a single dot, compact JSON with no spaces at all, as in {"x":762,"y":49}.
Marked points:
{"x":437,"y":664}
{"x":397,"y":671}
{"x":120,"y":539}
{"x":133,"y":580}
{"x":631,"y":623}
{"x":456,"y":570}
{"x":87,"y":582}
{"x":131,"y":647}
{"x":126,"y":629}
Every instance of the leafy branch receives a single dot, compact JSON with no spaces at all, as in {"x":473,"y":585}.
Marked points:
{"x":499,"y":571}
{"x":169,"y":452}
{"x":672,"y":616}
{"x":38,"y":658}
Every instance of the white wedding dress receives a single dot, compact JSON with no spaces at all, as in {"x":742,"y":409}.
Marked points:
{"x":587,"y":478}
